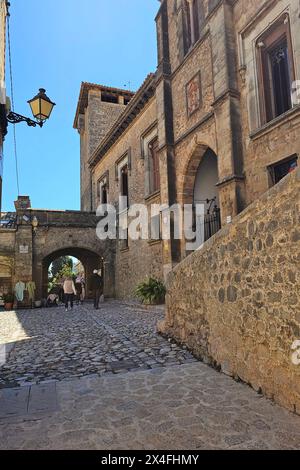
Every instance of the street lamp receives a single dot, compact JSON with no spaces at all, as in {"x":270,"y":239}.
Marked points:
{"x":41,"y":107}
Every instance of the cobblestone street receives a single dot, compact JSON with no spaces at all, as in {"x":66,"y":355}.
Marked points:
{"x":53,"y":344}
{"x":105,"y":380}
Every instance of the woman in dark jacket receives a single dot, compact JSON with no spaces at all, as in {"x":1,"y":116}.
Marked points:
{"x":97,"y":288}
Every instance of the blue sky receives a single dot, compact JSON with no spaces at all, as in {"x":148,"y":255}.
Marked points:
{"x":57,"y":44}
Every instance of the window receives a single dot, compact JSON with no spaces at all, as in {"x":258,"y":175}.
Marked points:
{"x":154,"y":176}
{"x":103,"y":189}
{"x":191,"y":20}
{"x":283,"y":168}
{"x":275,"y":70}
{"x":123,"y":210}
{"x":103,"y":195}
{"x":124,"y":182}
{"x":109,"y":98}
{"x":155,"y":227}
{"x":149,"y":152}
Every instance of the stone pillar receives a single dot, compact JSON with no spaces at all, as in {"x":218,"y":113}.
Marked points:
{"x":40,"y":277}
{"x":171,"y":252}
{"x":227,"y":113}
{"x":109,"y":277}
{"x":23,"y":254}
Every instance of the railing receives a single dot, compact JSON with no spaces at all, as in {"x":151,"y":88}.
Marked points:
{"x":208,"y":224}
{"x":8,"y":220}
{"x":212,"y":224}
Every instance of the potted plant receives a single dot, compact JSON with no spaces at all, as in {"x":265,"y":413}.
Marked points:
{"x":151,"y":291}
{"x":8,"y":301}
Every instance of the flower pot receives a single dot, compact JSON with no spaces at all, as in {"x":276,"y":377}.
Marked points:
{"x":8,"y":306}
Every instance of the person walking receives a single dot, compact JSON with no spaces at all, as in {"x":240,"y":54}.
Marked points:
{"x":97,"y":287}
{"x":82,"y":288}
{"x":78,"y":287}
{"x":70,"y":292}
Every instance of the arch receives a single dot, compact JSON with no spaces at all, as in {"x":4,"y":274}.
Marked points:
{"x":71,"y":240}
{"x":191,"y":170}
{"x":200,"y":187}
{"x":206,"y":179}
{"x":89,"y":259}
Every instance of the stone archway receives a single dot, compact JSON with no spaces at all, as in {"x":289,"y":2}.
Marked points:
{"x":200,"y":153}
{"x":200,"y":188}
{"x":206,"y":180}
{"x":89,"y":259}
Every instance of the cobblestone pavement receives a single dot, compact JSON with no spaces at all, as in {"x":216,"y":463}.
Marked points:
{"x":160,"y":404}
{"x":181,"y":407}
{"x":52,"y":344}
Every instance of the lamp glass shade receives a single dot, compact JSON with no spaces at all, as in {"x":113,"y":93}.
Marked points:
{"x":41,"y":106}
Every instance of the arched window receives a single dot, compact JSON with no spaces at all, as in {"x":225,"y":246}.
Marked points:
{"x":104,"y":194}
{"x":103,"y":189}
{"x":192,"y":21}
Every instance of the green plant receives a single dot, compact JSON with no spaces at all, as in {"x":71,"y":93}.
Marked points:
{"x":8,"y":298}
{"x":151,"y":291}
{"x":60,"y":264}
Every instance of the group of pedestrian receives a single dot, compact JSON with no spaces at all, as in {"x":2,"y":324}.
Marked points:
{"x":76,"y":290}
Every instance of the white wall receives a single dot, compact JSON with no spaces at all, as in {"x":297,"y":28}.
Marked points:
{"x":206,"y":179}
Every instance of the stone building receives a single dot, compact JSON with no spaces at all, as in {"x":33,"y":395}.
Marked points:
{"x":217,"y":124}
{"x":36,"y":238}
{"x":3,"y":122}
{"x":98,"y":109}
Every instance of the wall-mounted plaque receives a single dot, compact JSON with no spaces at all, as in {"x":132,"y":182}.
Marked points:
{"x":24,"y":249}
{"x":193,"y":94}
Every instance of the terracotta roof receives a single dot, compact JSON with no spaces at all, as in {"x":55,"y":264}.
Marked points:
{"x":84,"y":93}
{"x":137,"y":103}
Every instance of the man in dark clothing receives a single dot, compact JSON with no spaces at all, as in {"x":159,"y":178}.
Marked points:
{"x":97,"y":288}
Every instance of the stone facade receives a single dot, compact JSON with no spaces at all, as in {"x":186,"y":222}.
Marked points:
{"x":207,"y":103}
{"x":227,"y":119}
{"x":140,"y":258}
{"x":98,"y":109}
{"x":7,"y":259}
{"x":26,"y":253}
{"x":236,"y":302}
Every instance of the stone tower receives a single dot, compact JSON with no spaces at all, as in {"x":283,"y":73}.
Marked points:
{"x":98,"y":109}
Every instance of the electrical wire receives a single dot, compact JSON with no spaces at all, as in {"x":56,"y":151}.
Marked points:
{"x":12,"y":102}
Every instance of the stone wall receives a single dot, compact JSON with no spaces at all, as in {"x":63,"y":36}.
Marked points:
{"x":226,"y":56}
{"x":267,"y":144}
{"x":59,"y":233}
{"x":236,"y":302}
{"x":98,"y":119}
{"x":141,"y":258}
{"x":7,"y":259}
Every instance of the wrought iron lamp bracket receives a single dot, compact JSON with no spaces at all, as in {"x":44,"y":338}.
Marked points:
{"x":15,"y":118}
